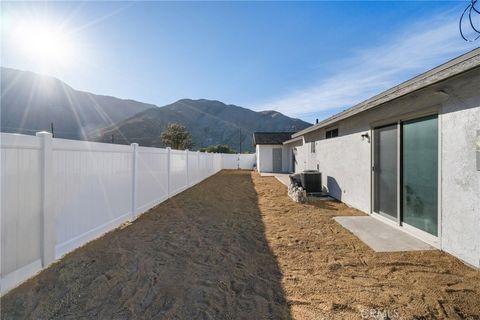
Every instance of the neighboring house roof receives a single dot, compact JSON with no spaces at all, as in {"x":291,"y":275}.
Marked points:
{"x":447,"y":70}
{"x":271,"y":137}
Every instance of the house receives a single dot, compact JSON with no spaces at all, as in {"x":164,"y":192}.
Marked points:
{"x":409,"y":156}
{"x":272,"y":155}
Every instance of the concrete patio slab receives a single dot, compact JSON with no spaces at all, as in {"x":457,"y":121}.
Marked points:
{"x":282,"y":177}
{"x":380,"y":236}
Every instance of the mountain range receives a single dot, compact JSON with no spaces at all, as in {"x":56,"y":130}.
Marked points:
{"x":32,"y":102}
{"x":210,"y":122}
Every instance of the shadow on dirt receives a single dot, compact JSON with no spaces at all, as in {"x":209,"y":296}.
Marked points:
{"x":200,"y":255}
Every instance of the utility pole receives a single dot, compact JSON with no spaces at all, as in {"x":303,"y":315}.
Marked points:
{"x":51,"y":129}
{"x":240,"y":140}
{"x":113,"y":140}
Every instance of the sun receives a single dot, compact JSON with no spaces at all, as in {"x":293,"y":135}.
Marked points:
{"x":44,"y":43}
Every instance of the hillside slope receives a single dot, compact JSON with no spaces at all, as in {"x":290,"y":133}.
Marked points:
{"x":209,"y":122}
{"x":31,"y":102}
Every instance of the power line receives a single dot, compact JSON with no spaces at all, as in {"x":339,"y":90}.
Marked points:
{"x":471,"y":9}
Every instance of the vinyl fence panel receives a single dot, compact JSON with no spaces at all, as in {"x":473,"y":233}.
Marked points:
{"x":20,"y":208}
{"x":92,"y":187}
{"x":58,"y":194}
{"x":230,"y":161}
{"x":152,"y":177}
{"x":193,"y":165}
{"x":178,"y":171}
{"x":247,"y":161}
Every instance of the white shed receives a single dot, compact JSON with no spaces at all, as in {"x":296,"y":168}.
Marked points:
{"x":272,"y":154}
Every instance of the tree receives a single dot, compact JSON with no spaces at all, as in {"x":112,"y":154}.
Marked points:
{"x":219,"y":148}
{"x":177,"y":137}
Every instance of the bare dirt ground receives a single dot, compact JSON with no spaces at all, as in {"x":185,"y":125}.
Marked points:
{"x":236,"y":247}
{"x":328,"y":273}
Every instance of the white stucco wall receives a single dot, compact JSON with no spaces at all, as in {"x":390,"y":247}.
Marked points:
{"x":345,"y":161}
{"x":264,"y":157}
{"x":348,"y":177}
{"x":301,"y":156}
{"x":257,"y":155}
{"x":460,"y":178}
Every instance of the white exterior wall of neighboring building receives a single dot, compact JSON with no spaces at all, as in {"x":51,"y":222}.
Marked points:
{"x":345,"y":161}
{"x":259,"y":160}
{"x":301,"y":154}
{"x":291,"y":148}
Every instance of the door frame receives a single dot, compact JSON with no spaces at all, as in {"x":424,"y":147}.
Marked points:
{"x":386,"y":216}
{"x":434,"y":241}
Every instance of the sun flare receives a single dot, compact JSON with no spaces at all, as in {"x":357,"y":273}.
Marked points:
{"x":45,"y":43}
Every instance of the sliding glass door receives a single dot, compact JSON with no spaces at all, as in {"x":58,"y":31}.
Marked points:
{"x":420,"y":174}
{"x":385,"y":171}
{"x":417,"y":168}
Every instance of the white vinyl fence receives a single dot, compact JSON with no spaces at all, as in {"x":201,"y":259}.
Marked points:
{"x":58,"y":194}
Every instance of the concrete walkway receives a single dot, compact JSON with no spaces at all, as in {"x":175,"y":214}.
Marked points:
{"x":282,"y":177}
{"x":380,"y":236}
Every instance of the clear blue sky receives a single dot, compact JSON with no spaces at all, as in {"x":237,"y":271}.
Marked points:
{"x":305,"y":59}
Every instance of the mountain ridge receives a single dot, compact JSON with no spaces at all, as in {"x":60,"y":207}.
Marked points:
{"x":32,"y":102}
{"x":214,"y":121}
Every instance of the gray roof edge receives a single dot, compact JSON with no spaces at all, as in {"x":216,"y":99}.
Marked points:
{"x":293,"y":140}
{"x":456,"y":66}
{"x":269,"y":144}
{"x":277,"y":137}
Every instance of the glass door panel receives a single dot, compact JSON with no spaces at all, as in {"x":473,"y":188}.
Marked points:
{"x":420,"y":173}
{"x":385,"y":171}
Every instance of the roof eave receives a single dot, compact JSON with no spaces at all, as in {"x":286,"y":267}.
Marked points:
{"x":293,"y":140}
{"x":459,"y":65}
{"x":269,"y":144}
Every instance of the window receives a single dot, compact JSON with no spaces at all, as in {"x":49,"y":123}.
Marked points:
{"x":331,"y":133}
{"x":312,"y":147}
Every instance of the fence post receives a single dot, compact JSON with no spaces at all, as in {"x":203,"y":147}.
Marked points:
{"x":168,"y":171}
{"x":186,"y":161}
{"x":134,"y":179}
{"x":48,"y":224}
